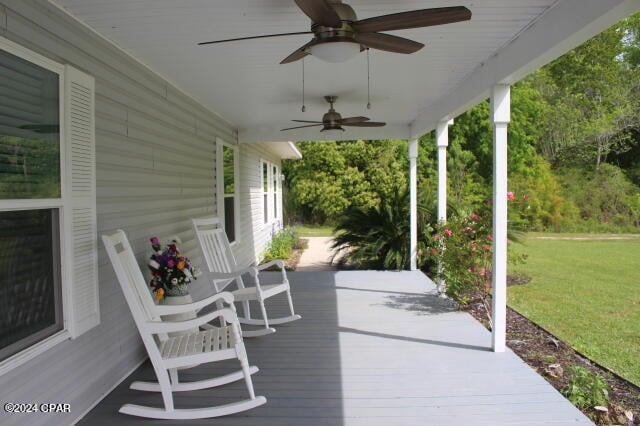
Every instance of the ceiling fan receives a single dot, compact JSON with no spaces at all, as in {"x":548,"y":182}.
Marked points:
{"x":338,"y":34}
{"x":332,"y":120}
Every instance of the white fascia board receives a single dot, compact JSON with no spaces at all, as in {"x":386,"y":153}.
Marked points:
{"x":283,"y":150}
{"x":567,"y":24}
{"x":271,"y":134}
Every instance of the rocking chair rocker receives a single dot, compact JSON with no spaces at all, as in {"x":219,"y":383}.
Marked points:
{"x":223,"y":269}
{"x":192,"y":347}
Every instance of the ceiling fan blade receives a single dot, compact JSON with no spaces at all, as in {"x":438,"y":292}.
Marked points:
{"x":389,"y":43}
{"x":300,"y":127}
{"x":320,"y":12}
{"x":306,"y":121}
{"x":413,"y":19}
{"x":366,"y":124}
{"x":300,"y":53}
{"x":349,"y":120}
{"x":253,"y":37}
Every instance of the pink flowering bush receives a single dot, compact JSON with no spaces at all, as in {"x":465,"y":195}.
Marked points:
{"x":460,"y":254}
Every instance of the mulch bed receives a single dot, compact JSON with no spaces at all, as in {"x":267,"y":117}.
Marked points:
{"x":551,"y":358}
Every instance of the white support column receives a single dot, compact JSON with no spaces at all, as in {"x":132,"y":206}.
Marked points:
{"x":500,"y":116}
{"x":442,"y":142}
{"x":413,"y":194}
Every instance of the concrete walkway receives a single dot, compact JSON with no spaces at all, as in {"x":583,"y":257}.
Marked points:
{"x":317,"y":257}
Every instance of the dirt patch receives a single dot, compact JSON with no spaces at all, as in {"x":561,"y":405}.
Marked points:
{"x":292,"y":263}
{"x":551,"y":358}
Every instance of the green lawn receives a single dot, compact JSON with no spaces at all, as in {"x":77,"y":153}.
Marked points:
{"x":588,"y":294}
{"x":315,"y":230}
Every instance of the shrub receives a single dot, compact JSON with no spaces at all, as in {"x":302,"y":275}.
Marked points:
{"x":586,"y":389}
{"x":460,"y":254}
{"x":282,"y":244}
{"x":377,"y":237}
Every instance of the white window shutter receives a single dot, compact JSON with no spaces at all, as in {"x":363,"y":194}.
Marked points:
{"x":81,"y":234}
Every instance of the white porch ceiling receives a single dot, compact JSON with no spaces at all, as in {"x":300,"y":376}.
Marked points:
{"x":244,"y":83}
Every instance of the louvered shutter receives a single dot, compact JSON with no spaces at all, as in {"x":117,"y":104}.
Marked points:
{"x":80,"y":203}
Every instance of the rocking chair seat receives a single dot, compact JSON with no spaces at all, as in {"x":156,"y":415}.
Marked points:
{"x":249,"y":293}
{"x":214,"y":339}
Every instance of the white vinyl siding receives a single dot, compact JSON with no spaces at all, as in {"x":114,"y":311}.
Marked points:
{"x":155,"y":169}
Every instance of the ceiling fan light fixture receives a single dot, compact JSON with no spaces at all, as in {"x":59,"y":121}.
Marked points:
{"x":332,"y":134}
{"x":335,"y":52}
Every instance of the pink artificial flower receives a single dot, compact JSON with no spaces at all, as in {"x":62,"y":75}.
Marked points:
{"x":486,"y":247}
{"x":511,"y":196}
{"x":448,"y":232}
{"x":170,"y":263}
{"x":155,"y":241}
{"x":468,"y":229}
{"x":483,"y":272}
{"x":489,"y":237}
{"x":436,"y":237}
{"x":474,"y":216}
{"x":470,"y":269}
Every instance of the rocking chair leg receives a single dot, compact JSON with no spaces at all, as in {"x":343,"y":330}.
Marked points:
{"x":173,"y":376}
{"x":264,"y":313}
{"x":246,"y":309}
{"x":165,"y":386}
{"x":247,"y":377}
{"x":290,"y":302}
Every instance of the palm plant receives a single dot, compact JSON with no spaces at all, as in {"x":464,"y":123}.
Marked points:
{"x":376,"y":237}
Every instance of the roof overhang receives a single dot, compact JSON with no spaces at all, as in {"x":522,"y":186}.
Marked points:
{"x":244,"y":83}
{"x":284,"y":150}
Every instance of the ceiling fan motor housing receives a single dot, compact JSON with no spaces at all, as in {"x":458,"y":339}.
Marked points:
{"x":344,"y":33}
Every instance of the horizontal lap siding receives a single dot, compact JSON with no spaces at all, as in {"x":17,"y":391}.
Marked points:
{"x":255,"y":234}
{"x":155,"y":170}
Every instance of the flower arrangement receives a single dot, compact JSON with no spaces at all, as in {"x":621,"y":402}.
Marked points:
{"x":170,"y":271}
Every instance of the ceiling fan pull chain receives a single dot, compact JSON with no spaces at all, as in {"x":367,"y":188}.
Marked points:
{"x":304,"y":108}
{"x":368,"y":81}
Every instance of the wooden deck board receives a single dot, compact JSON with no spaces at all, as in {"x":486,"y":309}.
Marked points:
{"x":373,"y":348}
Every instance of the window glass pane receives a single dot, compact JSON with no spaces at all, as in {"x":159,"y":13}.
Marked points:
{"x":265,"y":177}
{"x":266,"y":211}
{"x":227,"y":153}
{"x":229,"y":221}
{"x":275,"y":179}
{"x":30,"y":297}
{"x":29,"y":130}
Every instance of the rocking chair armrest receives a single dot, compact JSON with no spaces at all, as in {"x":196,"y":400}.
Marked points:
{"x":166,"y":326}
{"x":226,"y":296}
{"x":278,"y":262}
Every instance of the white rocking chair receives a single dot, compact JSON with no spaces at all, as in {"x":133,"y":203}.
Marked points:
{"x":193,"y":347}
{"x":223,"y":269}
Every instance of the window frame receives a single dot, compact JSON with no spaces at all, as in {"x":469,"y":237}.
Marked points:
{"x":220,"y":194}
{"x":62,"y":205}
{"x":273,"y":195}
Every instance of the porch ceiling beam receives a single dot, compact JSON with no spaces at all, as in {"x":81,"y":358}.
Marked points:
{"x":273,"y":134}
{"x":564,"y":26}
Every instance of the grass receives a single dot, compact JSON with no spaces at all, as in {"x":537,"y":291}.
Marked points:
{"x":586,"y":292}
{"x":315,"y":230}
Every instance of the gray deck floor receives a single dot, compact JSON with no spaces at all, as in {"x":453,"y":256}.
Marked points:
{"x":372,"y":348}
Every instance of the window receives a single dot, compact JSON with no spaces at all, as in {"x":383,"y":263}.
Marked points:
{"x":274,"y":179}
{"x":270,"y":191}
{"x":227,"y":184}
{"x":48,"y":278}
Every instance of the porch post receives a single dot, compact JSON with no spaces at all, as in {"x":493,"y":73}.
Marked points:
{"x":413,"y":203}
{"x":500,"y":116}
{"x":442,"y":142}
